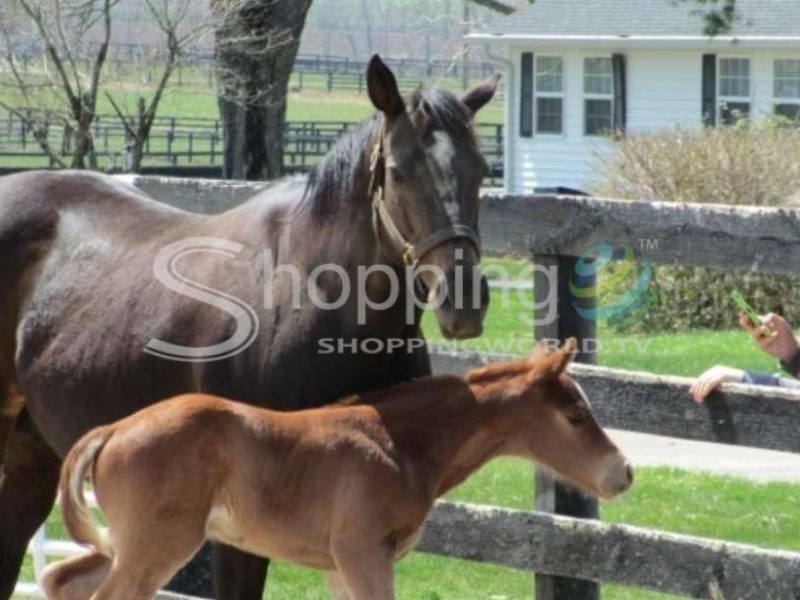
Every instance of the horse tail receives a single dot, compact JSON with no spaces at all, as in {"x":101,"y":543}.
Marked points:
{"x":77,"y":516}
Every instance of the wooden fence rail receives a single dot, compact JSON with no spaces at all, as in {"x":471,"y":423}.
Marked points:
{"x":744,"y":415}
{"x":709,"y":235}
{"x":592,"y":550}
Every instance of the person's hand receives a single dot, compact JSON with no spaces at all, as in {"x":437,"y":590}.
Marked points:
{"x":712,"y":379}
{"x":773,"y":335}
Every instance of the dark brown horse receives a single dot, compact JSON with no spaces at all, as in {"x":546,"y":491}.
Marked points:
{"x":110,"y":301}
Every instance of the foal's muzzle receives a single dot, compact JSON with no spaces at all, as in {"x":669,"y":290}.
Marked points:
{"x":618,"y":478}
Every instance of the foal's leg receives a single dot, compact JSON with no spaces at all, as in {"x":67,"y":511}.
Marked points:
{"x":367,"y":571}
{"x":149,"y":551}
{"x":337,"y":585}
{"x":237,"y":574}
{"x":28,"y":482}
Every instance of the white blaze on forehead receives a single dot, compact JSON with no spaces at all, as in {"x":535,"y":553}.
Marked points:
{"x":440,"y":158}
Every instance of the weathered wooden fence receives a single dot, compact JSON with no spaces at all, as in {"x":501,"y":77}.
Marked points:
{"x":570,"y":554}
{"x":197,"y":143}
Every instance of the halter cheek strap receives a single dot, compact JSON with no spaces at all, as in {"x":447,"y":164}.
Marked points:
{"x":388,"y":234}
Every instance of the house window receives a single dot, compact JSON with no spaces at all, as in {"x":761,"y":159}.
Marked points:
{"x":549,"y":94}
{"x":786,"y":87}
{"x":734,"y":89}
{"x":598,"y":91}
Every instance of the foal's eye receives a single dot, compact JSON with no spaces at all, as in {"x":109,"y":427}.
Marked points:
{"x":576,"y":419}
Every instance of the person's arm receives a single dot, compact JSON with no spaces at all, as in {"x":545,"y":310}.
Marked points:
{"x":712,"y":379}
{"x":775,"y":337}
{"x":716,"y":376}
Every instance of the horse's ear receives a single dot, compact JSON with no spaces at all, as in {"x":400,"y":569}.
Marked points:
{"x":382,"y":87}
{"x":549,"y":364}
{"x":479,"y":96}
{"x":541,"y":347}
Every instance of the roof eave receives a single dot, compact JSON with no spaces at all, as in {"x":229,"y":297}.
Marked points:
{"x":634,"y":41}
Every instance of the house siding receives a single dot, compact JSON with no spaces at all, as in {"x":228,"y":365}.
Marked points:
{"x":664,"y":90}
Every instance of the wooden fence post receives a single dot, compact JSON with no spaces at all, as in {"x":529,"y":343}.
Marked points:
{"x":552,"y":496}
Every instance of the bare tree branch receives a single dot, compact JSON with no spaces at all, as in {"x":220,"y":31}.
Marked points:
{"x":496,"y":5}
{"x":40,"y":134}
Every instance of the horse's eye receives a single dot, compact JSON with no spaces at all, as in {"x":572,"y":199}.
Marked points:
{"x":576,"y":419}
{"x":396,"y":175}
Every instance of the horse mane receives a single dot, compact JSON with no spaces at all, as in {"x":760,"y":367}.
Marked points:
{"x":401,"y":390}
{"x":487,"y":375}
{"x":497,"y":371}
{"x":338,"y":176}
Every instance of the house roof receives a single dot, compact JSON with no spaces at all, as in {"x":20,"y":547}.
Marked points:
{"x":643,"y":21}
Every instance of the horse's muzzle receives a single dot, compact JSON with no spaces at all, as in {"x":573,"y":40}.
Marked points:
{"x":463,"y":309}
{"x":618,"y":479}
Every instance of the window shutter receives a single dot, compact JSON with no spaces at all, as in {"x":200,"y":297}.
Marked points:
{"x":620,"y":93}
{"x":709,"y":114}
{"x":526,"y":96}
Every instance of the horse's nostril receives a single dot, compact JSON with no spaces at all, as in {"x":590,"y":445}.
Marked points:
{"x":629,"y":473}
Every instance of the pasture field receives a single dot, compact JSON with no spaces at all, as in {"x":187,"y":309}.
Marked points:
{"x":196,"y":99}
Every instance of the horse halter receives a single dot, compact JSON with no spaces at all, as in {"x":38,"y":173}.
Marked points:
{"x":388,"y":234}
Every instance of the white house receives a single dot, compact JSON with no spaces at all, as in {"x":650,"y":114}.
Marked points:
{"x":579,"y":69}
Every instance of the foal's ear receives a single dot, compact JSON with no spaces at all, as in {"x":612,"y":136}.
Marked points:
{"x":549,"y":364}
{"x":382,"y":87}
{"x":479,"y":96}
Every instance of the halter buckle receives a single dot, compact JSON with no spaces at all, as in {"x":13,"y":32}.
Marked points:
{"x":409,"y":257}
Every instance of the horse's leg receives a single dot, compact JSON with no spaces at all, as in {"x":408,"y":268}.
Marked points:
{"x":149,"y":548}
{"x":28,"y":482}
{"x":75,"y":578}
{"x":11,"y":404}
{"x":367,"y":571}
{"x":238,"y":575}
{"x":337,"y":585}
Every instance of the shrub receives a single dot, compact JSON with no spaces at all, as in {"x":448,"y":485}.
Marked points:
{"x":755,"y":163}
{"x":752,"y":162}
{"x":686,"y":298}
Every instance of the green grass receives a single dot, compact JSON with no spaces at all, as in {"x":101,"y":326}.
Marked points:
{"x":508,"y":328}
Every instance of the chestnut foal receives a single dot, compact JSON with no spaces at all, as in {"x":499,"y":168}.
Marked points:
{"x":345,"y":488}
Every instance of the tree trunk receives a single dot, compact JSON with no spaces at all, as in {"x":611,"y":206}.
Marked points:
{"x":256,"y":48}
{"x":83,"y":147}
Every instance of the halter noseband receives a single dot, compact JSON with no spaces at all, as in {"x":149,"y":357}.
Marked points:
{"x":388,"y":233}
